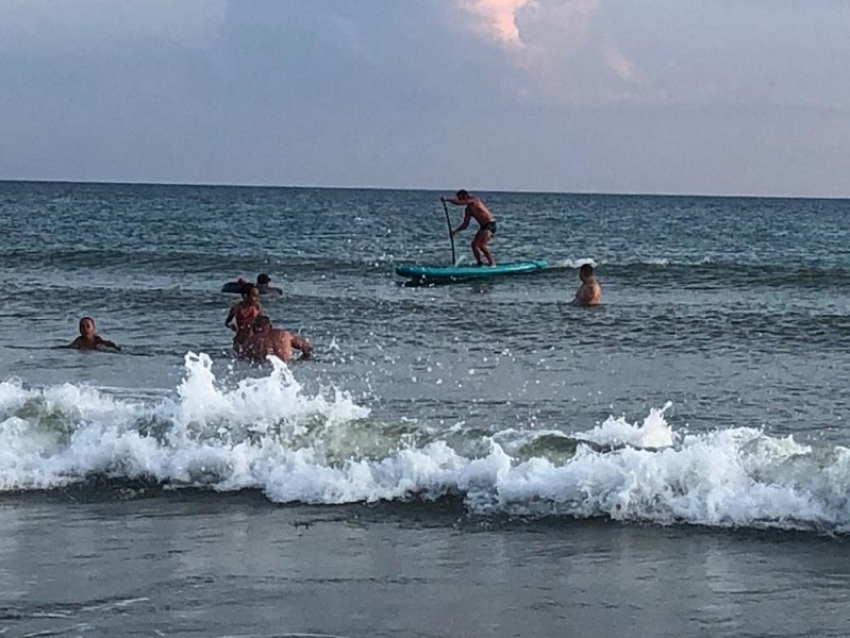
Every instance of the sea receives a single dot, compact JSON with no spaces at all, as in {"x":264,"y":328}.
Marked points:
{"x":476,"y":459}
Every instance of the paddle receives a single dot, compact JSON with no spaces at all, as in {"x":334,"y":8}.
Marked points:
{"x":451,"y":237}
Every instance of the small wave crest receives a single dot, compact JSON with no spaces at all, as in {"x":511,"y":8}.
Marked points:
{"x":270,"y":434}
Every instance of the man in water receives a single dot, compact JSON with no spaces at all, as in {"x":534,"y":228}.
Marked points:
{"x":263,"y":281}
{"x":89,"y":339}
{"x":475,"y":209}
{"x":266,"y":340}
{"x":590,"y":292}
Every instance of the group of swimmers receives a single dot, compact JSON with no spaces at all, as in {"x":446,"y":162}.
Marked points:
{"x":588,"y":294}
{"x":255,"y":338}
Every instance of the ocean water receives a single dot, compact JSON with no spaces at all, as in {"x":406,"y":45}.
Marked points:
{"x":480,"y":458}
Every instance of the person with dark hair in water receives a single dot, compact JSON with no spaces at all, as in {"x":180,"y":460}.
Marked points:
{"x":241,"y":317}
{"x":475,"y":209}
{"x":590,"y":292}
{"x":266,"y":340}
{"x":263,"y":281}
{"x":89,"y":339}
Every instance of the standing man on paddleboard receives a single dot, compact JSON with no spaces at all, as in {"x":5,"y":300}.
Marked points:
{"x":475,"y":209}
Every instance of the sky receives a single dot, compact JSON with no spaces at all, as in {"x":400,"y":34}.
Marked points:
{"x":717,"y":97}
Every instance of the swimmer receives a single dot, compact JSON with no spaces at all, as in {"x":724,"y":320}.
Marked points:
{"x":241,"y":317}
{"x":89,"y":339}
{"x":266,"y":340}
{"x":263,"y":281}
{"x":590,"y":292}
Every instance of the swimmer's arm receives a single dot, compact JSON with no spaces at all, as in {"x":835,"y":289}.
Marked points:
{"x":230,"y":316}
{"x":582,"y":296}
{"x":302,"y":344}
{"x":77,"y":343}
{"x":108,"y":344}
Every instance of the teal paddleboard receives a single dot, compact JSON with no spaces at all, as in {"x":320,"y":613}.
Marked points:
{"x":448,"y":274}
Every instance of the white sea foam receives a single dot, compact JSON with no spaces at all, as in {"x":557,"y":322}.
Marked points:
{"x":653,"y":433}
{"x":269,"y":434}
{"x":573,"y":263}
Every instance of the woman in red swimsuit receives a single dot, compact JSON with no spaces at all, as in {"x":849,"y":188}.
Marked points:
{"x":241,"y":316}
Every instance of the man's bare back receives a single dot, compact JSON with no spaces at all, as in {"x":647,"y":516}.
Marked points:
{"x":266,"y":340}
{"x":280,"y":343}
{"x":589,"y":295}
{"x":590,"y":292}
{"x":476,"y":209}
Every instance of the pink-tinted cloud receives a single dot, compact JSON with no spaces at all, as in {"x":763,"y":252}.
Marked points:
{"x":554,"y":46}
{"x":622,"y":67}
{"x":498,"y":18}
{"x":539,"y":24}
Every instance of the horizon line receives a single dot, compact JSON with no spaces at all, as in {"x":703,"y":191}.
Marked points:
{"x":410,"y":189}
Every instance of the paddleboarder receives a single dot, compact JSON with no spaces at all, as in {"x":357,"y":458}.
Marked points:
{"x":475,"y":209}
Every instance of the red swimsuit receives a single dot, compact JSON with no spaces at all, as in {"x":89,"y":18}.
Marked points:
{"x":244,"y":316}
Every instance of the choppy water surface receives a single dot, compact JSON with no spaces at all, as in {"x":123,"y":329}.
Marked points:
{"x":709,"y":390}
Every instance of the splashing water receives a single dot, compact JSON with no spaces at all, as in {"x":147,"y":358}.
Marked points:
{"x":267,"y":434}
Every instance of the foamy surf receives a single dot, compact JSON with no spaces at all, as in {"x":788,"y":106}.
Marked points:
{"x":269,"y":434}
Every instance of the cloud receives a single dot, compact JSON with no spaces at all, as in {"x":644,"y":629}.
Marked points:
{"x":558,"y":51}
{"x":624,"y":68}
{"x":498,"y":18}
{"x":541,"y":25}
